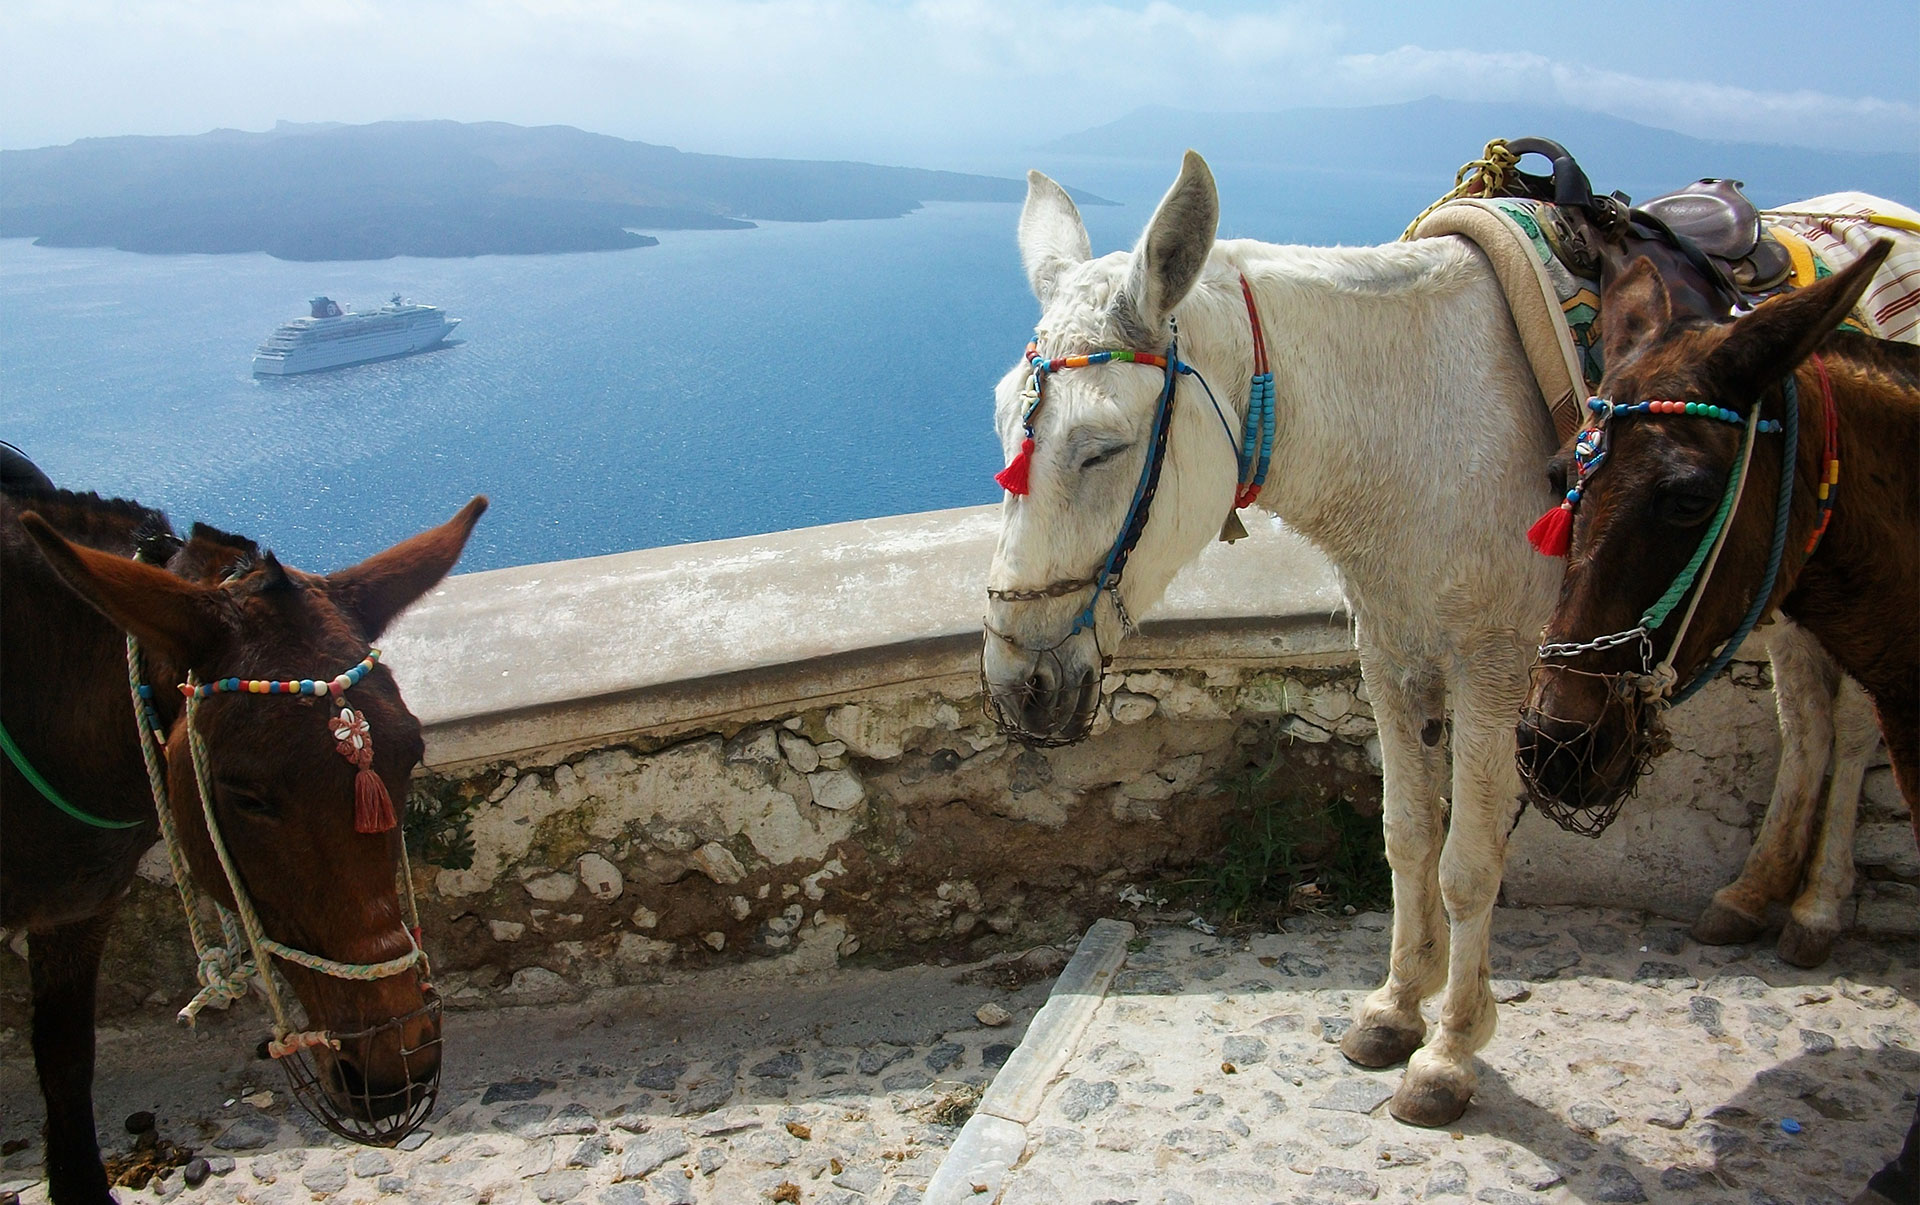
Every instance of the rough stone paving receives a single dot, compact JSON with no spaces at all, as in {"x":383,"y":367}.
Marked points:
{"x":715,"y":1089}
{"x":1631,"y":1064}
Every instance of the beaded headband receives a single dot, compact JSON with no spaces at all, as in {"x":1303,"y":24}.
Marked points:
{"x":1552,"y":533}
{"x":292,"y":686}
{"x":1013,"y":478}
{"x":372,"y":805}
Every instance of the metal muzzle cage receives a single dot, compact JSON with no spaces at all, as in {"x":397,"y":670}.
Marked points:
{"x":1578,"y":780}
{"x":331,"y":1084}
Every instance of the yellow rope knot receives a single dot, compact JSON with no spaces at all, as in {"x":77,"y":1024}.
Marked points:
{"x":1491,"y":177}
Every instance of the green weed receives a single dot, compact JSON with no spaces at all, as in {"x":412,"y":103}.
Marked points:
{"x":1285,"y":852}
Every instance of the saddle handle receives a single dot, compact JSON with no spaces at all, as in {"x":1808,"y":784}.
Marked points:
{"x":1566,"y":185}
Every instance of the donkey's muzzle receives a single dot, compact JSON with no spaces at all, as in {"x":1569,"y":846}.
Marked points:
{"x":1053,"y":702}
{"x":373,"y":1086}
{"x":1582,"y":745}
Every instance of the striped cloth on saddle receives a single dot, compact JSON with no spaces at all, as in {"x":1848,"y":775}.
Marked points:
{"x":1556,"y":309}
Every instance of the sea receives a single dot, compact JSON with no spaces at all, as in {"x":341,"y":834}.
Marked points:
{"x":719,"y":384}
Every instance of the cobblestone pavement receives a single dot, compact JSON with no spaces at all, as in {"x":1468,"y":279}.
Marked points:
{"x":1631,"y":1064}
{"x":714,"y":1089}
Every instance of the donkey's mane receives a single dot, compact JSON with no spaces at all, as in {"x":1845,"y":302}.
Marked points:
{"x":91,"y":519}
{"x":1898,"y":362}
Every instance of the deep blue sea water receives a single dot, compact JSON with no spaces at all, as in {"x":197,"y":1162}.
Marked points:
{"x":722,"y":383}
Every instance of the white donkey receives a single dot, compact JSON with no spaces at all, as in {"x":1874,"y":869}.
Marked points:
{"x":1409,"y":444}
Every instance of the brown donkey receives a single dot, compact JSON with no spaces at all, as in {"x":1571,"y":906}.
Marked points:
{"x":287,"y":778}
{"x":1652,"y":486}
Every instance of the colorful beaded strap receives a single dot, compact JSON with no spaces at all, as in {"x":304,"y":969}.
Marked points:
{"x":1256,"y":438}
{"x":292,"y":686}
{"x":372,"y":805}
{"x":1254,"y":450}
{"x":1830,"y":458}
{"x":1552,"y":533}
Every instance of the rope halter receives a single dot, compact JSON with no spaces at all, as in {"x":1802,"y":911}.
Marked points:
{"x":1551,"y":533}
{"x":239,"y":960}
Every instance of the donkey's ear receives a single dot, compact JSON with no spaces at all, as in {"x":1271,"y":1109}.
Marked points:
{"x":1168,"y":259}
{"x":387,"y":583}
{"x":1635,"y":307}
{"x":178,"y":620}
{"x":1769,"y":343}
{"x":1052,"y":236}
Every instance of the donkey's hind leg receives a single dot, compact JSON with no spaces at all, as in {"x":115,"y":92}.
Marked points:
{"x":1804,"y":679}
{"x":1409,"y":707}
{"x":1815,"y":922}
{"x":1488,"y":688}
{"x":64,"y":965}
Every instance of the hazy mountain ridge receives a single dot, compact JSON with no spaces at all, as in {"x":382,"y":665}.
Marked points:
{"x":1429,"y":140}
{"x":431,"y":188}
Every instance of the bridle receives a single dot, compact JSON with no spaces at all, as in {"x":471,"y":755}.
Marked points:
{"x":1650,"y":691}
{"x":1253,"y":451}
{"x":1590,"y":453}
{"x":227,"y":968}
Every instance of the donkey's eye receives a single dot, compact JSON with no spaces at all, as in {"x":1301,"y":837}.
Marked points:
{"x":246,"y":802}
{"x":1685,"y":504}
{"x":1102,"y":456}
{"x":1557,"y":474}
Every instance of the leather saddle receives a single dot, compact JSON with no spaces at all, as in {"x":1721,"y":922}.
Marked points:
{"x":1706,"y":238}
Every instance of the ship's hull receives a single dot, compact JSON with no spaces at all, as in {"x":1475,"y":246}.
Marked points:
{"x":338,"y":349}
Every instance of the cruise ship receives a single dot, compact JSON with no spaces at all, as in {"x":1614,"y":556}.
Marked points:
{"x":331,"y":337}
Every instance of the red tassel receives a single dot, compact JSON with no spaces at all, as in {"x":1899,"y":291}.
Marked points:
{"x":372,"y":806}
{"x":1013,"y":478}
{"x":1552,"y":533}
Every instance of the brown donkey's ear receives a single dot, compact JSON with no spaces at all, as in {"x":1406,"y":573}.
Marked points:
{"x":1634,"y":308}
{"x":1766,"y":345}
{"x":387,"y":583}
{"x":176,"y":619}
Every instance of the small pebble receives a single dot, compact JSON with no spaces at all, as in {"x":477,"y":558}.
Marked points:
{"x":140,"y":1123}
{"x":992,"y":1015}
{"x":196,"y":1172}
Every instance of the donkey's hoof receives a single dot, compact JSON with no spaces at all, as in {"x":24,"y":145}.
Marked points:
{"x":1803,"y":946}
{"x":1720,"y":925}
{"x":1380,"y":1045}
{"x":1431,"y":1100}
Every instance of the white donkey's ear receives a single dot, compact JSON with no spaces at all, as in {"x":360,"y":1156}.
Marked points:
{"x":1170,"y":254}
{"x":1052,"y":237}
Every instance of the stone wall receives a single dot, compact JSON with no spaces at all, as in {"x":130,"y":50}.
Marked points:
{"x":773,"y":749}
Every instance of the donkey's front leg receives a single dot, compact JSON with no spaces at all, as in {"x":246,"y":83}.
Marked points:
{"x":64,"y":965}
{"x":1440,"y":1080}
{"x":1409,"y":708}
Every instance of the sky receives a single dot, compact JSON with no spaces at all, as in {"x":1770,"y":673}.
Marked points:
{"x":939,"y":82}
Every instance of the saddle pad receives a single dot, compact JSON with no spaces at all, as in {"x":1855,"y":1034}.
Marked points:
{"x":1835,"y":232}
{"x":1555,"y":310}
{"x":1552,"y":308}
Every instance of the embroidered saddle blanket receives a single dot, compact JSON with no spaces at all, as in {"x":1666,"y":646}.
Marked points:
{"x":1534,"y":250}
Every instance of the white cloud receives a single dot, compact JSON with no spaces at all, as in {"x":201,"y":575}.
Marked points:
{"x":860,"y":78}
{"x":1703,"y":110}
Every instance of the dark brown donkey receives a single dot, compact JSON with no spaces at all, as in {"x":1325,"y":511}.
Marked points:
{"x":1849,"y":574}
{"x":283,"y":795}
{"x":1645,"y":506}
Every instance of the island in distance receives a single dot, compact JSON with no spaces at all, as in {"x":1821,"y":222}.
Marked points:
{"x":431,"y":188}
